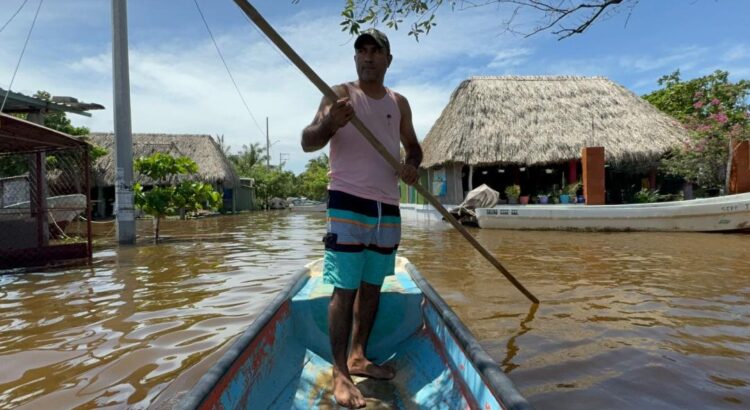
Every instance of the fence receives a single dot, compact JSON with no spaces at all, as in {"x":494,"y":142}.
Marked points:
{"x":44,"y":196}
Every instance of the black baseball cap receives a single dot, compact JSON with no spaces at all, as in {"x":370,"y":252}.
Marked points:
{"x":375,"y":35}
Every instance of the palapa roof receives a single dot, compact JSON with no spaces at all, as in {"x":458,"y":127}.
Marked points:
{"x":547,"y":119}
{"x":213,"y":165}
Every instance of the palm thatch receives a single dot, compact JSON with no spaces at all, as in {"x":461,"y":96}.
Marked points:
{"x":213,"y":165}
{"x":547,"y":119}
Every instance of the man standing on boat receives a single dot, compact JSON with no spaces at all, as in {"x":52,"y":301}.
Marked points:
{"x":364,"y":224}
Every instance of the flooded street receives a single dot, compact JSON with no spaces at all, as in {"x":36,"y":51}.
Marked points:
{"x":626,"y":320}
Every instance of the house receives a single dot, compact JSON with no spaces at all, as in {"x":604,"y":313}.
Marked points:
{"x":214,"y":167}
{"x":531,"y":131}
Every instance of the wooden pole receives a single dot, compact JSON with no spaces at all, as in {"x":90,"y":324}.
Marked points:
{"x":266,"y":28}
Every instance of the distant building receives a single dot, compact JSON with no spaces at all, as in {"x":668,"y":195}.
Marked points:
{"x":214,"y":167}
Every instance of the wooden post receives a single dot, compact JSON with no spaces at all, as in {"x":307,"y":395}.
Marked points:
{"x":592,"y":159}
{"x":739,"y":181}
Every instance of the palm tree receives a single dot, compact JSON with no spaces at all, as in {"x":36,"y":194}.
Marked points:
{"x":247,"y":158}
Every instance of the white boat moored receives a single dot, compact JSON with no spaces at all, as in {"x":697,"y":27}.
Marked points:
{"x":725,"y":213}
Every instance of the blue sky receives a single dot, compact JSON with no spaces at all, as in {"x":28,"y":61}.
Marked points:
{"x":179,"y":84}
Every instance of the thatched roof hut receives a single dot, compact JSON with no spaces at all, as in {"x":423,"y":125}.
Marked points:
{"x":546,"y":119}
{"x":213,"y":165}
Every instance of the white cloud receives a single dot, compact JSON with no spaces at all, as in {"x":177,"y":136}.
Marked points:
{"x":738,"y":52}
{"x":510,"y":57}
{"x":682,"y":57}
{"x":179,"y":85}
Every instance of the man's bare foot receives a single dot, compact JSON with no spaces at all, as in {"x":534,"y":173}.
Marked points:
{"x":346,"y":393}
{"x":360,"y":366}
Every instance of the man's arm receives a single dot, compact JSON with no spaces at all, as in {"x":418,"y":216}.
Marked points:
{"x":409,"y":169}
{"x":330,"y":117}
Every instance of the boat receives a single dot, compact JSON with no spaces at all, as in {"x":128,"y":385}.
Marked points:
{"x":307,"y":205}
{"x":720,"y":214}
{"x":61,"y":210}
{"x":283,"y":360}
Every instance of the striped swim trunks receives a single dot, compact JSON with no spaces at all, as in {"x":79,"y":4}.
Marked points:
{"x":361,"y":242}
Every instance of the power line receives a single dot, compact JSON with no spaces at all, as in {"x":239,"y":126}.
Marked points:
{"x":26,"y":43}
{"x":226,"y":66}
{"x":13,"y":16}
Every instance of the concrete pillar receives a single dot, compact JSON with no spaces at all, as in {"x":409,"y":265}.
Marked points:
{"x":739,"y":180}
{"x":592,"y":159}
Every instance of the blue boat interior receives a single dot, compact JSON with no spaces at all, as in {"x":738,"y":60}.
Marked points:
{"x":288,"y":366}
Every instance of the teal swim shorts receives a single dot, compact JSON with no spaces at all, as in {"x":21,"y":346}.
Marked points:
{"x":361,"y":242}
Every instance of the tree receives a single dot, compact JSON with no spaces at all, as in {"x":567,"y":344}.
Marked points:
{"x":224,"y":147}
{"x":58,"y":120}
{"x":563,"y":18}
{"x":248,"y":158}
{"x":313,"y":181}
{"x":715,"y":111}
{"x":273,"y":182}
{"x":167,"y":198}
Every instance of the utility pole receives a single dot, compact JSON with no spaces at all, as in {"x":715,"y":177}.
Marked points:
{"x":282,"y":156}
{"x":123,"y":132}
{"x":268,"y":147}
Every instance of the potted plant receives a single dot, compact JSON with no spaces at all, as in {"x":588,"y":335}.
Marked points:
{"x":569,"y":193}
{"x":513,"y":192}
{"x":543,"y":199}
{"x":524,"y":199}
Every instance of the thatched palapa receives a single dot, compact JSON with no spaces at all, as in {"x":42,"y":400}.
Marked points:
{"x":546,"y":119}
{"x":213,"y":165}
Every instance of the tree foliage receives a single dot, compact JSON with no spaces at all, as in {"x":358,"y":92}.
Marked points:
{"x":715,"y":111}
{"x":562,"y":18}
{"x":246,"y":159}
{"x":167,"y":197}
{"x":313,"y":181}
{"x":275,"y":182}
{"x":58,"y":120}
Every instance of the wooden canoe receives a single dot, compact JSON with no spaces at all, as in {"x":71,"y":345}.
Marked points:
{"x":282,"y":361}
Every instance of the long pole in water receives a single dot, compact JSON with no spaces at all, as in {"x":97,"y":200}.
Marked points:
{"x":266,"y":28}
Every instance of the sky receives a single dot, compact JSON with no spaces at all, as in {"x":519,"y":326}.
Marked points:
{"x":179,"y":84}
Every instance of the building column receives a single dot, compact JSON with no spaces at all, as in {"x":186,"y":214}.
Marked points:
{"x":739,"y":179}
{"x":652,"y":179}
{"x":572,"y":171}
{"x":592,"y":159}
{"x":101,"y":202}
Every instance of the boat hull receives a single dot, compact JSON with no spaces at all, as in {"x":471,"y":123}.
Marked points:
{"x":727,"y":213}
{"x":283,"y":360}
{"x":309,"y":208}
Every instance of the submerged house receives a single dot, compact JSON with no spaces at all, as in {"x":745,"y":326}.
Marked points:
{"x":214,"y":167}
{"x":531,"y":131}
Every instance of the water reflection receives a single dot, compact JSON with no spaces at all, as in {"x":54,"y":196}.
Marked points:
{"x":626,"y":320}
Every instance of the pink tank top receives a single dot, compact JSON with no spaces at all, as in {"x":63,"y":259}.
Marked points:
{"x":356,"y":168}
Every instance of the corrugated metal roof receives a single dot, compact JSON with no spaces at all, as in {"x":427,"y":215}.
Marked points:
{"x":20,"y":103}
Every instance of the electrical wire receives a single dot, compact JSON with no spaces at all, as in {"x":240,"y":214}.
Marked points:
{"x":25,"y":44}
{"x":13,"y":16}
{"x":226,"y":66}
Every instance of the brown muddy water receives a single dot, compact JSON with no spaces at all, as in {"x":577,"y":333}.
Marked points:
{"x":627,"y":320}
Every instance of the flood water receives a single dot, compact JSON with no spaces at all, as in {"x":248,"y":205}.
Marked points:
{"x":627,"y":320}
